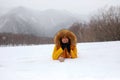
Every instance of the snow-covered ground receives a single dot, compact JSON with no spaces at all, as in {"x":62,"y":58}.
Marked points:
{"x":96,"y":61}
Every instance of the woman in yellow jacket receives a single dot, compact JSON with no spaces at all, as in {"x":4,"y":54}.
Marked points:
{"x":65,"y":45}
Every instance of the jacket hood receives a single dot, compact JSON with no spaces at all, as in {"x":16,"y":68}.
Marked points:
{"x":65,"y":33}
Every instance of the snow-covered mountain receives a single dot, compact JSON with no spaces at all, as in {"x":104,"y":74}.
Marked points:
{"x":40,"y":23}
{"x":96,"y":61}
{"x":19,"y":20}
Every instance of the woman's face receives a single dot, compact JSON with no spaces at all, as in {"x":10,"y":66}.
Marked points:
{"x":65,"y":40}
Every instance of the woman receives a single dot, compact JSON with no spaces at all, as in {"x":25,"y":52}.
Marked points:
{"x":65,"y":45}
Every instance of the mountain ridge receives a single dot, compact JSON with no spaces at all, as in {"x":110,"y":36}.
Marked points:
{"x":27,"y":21}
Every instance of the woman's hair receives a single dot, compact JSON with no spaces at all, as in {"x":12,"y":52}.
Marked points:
{"x":65,"y":45}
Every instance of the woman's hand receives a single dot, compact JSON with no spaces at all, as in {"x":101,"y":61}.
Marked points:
{"x":61,"y":59}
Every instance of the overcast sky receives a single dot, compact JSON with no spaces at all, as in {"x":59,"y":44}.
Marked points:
{"x":75,"y":6}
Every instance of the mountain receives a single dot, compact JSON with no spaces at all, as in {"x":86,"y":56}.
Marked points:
{"x":96,"y":61}
{"x":19,"y":20}
{"x":39,"y":23}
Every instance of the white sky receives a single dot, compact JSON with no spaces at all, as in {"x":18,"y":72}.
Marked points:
{"x":75,"y":6}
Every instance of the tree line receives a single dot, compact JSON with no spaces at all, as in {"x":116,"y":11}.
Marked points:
{"x":105,"y":26}
{"x":23,"y":39}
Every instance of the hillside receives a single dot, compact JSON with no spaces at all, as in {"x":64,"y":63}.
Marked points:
{"x":96,"y":61}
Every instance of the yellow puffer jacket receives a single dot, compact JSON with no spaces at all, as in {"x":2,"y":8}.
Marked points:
{"x":58,"y":51}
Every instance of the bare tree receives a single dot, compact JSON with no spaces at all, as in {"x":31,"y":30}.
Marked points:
{"x":106,"y":25}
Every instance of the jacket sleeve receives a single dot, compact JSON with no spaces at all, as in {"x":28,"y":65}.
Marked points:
{"x":56,"y":53}
{"x":74,"y":52}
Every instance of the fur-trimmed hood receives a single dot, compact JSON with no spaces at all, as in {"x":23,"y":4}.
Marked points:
{"x":65,"y":33}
